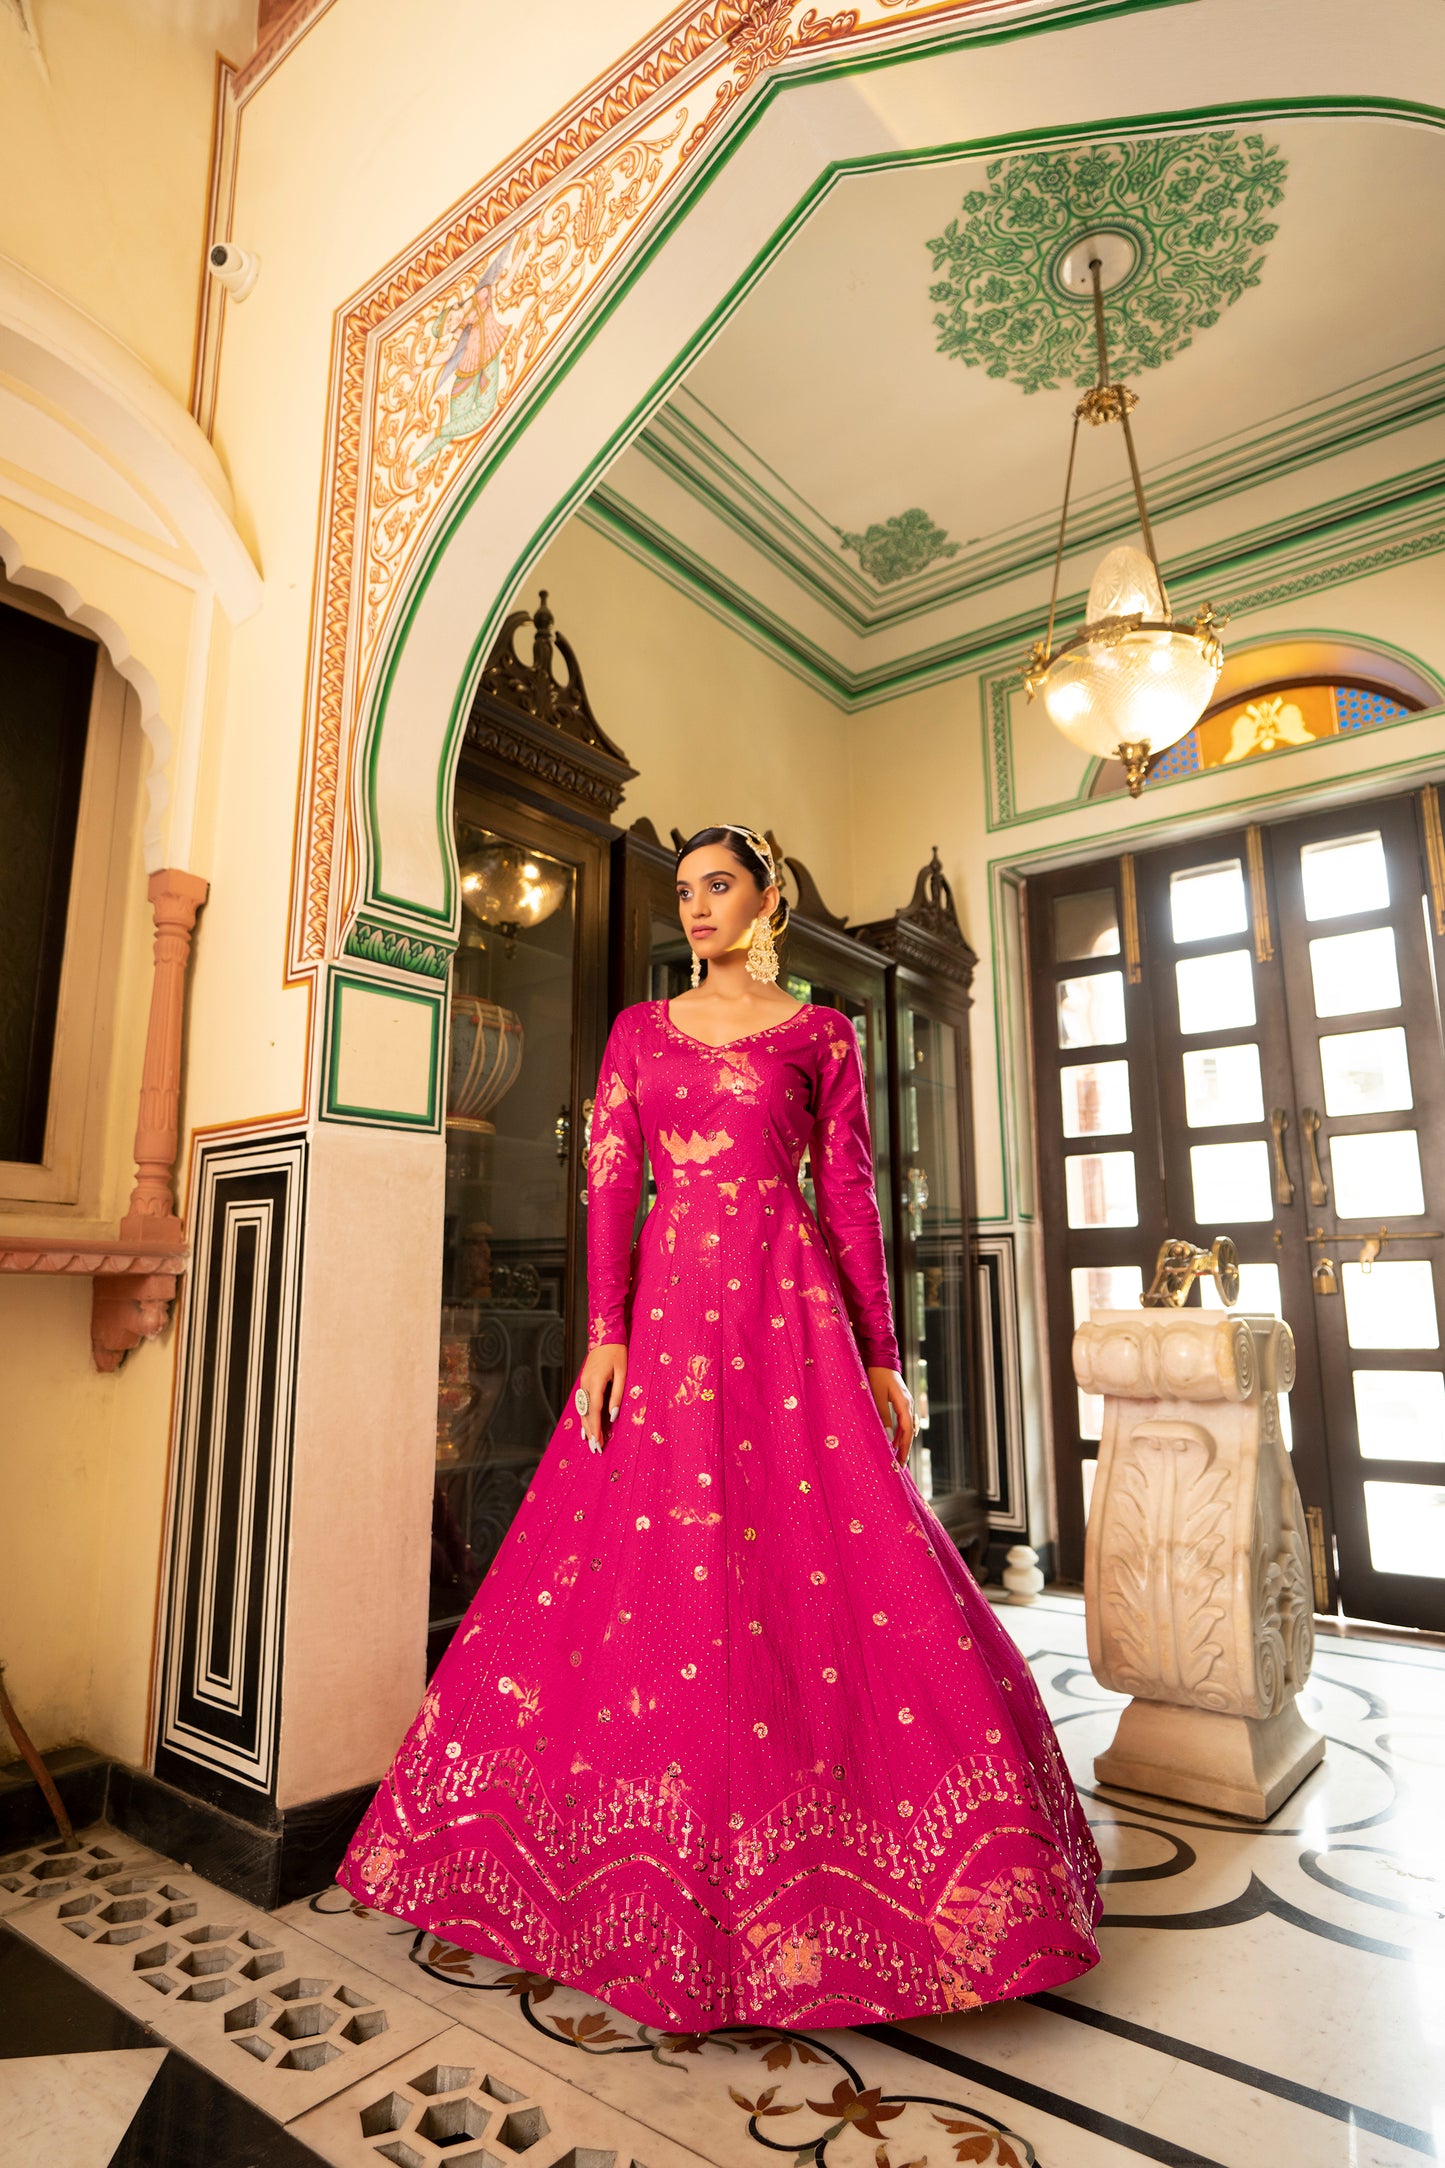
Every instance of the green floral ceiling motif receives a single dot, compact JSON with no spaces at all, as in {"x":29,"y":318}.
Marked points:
{"x":894,"y":549}
{"x":1195,"y":207}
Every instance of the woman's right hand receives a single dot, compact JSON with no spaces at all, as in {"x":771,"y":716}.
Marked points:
{"x":603,"y":1376}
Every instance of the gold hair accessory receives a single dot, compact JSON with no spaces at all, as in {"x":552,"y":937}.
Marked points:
{"x":756,"y":843}
{"x":762,"y":957}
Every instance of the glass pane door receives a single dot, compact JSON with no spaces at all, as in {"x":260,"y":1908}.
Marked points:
{"x":1098,"y":1140}
{"x":1360,"y":965}
{"x":1268,"y":1064}
{"x":1228,"y":1104}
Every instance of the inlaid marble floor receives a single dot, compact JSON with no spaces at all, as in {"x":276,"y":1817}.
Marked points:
{"x":1268,"y":1998}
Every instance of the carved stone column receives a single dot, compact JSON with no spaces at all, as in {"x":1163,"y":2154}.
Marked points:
{"x":128,"y":1307}
{"x":175,"y":898}
{"x":1196,"y":1565}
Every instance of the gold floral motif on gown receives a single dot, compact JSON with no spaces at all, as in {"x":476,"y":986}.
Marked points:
{"x":862,"y":1811}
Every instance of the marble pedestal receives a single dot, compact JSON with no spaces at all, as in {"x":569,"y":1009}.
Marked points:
{"x":1196,"y":1569}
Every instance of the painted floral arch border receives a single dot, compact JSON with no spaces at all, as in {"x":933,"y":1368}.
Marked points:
{"x":461,"y":326}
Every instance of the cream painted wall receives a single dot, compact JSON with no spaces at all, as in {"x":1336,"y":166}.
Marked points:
{"x":84,"y":1458}
{"x":716,"y":728}
{"x":107,"y":133}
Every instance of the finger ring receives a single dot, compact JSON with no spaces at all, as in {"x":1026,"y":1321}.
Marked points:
{"x":581,"y":1400}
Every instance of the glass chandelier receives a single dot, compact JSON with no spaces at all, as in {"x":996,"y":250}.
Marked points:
{"x":1135,"y":680}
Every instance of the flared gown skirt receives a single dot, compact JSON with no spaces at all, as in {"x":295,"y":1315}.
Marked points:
{"x":729,"y":1735}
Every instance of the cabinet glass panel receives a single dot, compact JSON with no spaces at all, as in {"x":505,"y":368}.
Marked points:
{"x":508,"y":1149}
{"x":1100,"y":1190}
{"x":1207,"y":901}
{"x":1401,"y":1414}
{"x":1407,"y":1528}
{"x":930,"y":1114}
{"x":1377,"y":1177}
{"x":1091,"y":1010}
{"x":1085,"y":926}
{"x":1355,"y":972}
{"x":1366,"y":1072}
{"x":1096,"y":1099}
{"x":1101,"y":1287}
{"x":1231,"y":1182}
{"x":1216,"y":993}
{"x":1391,"y":1305}
{"x":1222,"y":1085}
{"x":1344,"y":876}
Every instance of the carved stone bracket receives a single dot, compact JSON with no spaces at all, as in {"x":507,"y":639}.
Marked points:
{"x":133,"y":1278}
{"x":1196,"y":1562}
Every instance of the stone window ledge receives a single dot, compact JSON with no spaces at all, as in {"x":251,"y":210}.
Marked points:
{"x":133,"y":1284}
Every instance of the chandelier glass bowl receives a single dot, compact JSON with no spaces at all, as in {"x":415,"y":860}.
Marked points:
{"x":1133,"y":678}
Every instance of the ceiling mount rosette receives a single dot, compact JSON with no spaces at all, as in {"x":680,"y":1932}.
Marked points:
{"x":1191,"y":209}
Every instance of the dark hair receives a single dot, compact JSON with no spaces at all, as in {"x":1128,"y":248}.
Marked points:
{"x":739,"y":842}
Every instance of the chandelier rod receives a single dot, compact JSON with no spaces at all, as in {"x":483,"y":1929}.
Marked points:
{"x":1095,"y":268}
{"x":1059,"y":551}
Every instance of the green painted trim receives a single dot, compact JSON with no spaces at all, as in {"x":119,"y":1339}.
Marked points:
{"x":378,"y":944}
{"x":697,"y":464}
{"x":1430,"y":678}
{"x":332,"y":1107}
{"x":1354,"y":517}
{"x":996,"y":692}
{"x":1177,"y":825}
{"x":530,"y":403}
{"x":654,"y":547}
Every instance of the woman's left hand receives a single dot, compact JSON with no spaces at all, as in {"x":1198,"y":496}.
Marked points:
{"x":891,"y":1394}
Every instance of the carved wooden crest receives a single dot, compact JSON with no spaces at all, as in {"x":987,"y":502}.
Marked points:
{"x":525,"y":717}
{"x":926,"y":933}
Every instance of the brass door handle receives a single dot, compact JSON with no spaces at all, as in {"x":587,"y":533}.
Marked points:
{"x":1315,"y":1183}
{"x":1283,"y":1186}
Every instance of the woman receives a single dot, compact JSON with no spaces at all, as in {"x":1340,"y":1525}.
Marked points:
{"x":729,"y":1735}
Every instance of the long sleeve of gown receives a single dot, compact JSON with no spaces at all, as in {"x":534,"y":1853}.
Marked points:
{"x":841,"y":1157}
{"x":614,"y":1183}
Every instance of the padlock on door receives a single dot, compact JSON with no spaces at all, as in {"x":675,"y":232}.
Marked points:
{"x":1326,"y":1280}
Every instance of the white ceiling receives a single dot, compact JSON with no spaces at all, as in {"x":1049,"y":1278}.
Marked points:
{"x":825,"y":404}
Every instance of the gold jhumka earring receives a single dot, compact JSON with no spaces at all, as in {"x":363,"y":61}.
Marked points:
{"x":696,"y":969}
{"x":762,"y":960}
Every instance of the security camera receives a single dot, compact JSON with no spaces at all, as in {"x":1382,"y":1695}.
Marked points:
{"x":237,"y":269}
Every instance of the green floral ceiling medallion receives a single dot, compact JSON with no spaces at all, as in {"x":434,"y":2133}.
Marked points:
{"x":1194,"y":207}
{"x":894,"y":549}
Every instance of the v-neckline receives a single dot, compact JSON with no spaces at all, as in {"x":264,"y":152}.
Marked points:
{"x":708,"y":1047}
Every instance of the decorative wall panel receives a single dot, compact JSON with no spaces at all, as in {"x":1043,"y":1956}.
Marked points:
{"x":1001,"y":1437}
{"x":220,"y":1696}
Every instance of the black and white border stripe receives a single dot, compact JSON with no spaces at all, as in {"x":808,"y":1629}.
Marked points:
{"x":1001,"y":1430}
{"x":220,"y":1697}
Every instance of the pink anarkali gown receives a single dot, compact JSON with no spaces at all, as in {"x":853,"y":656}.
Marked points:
{"x":729,"y":1735}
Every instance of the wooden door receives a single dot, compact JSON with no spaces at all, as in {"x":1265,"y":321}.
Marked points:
{"x":1242,"y":1035}
{"x":1361,"y":950}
